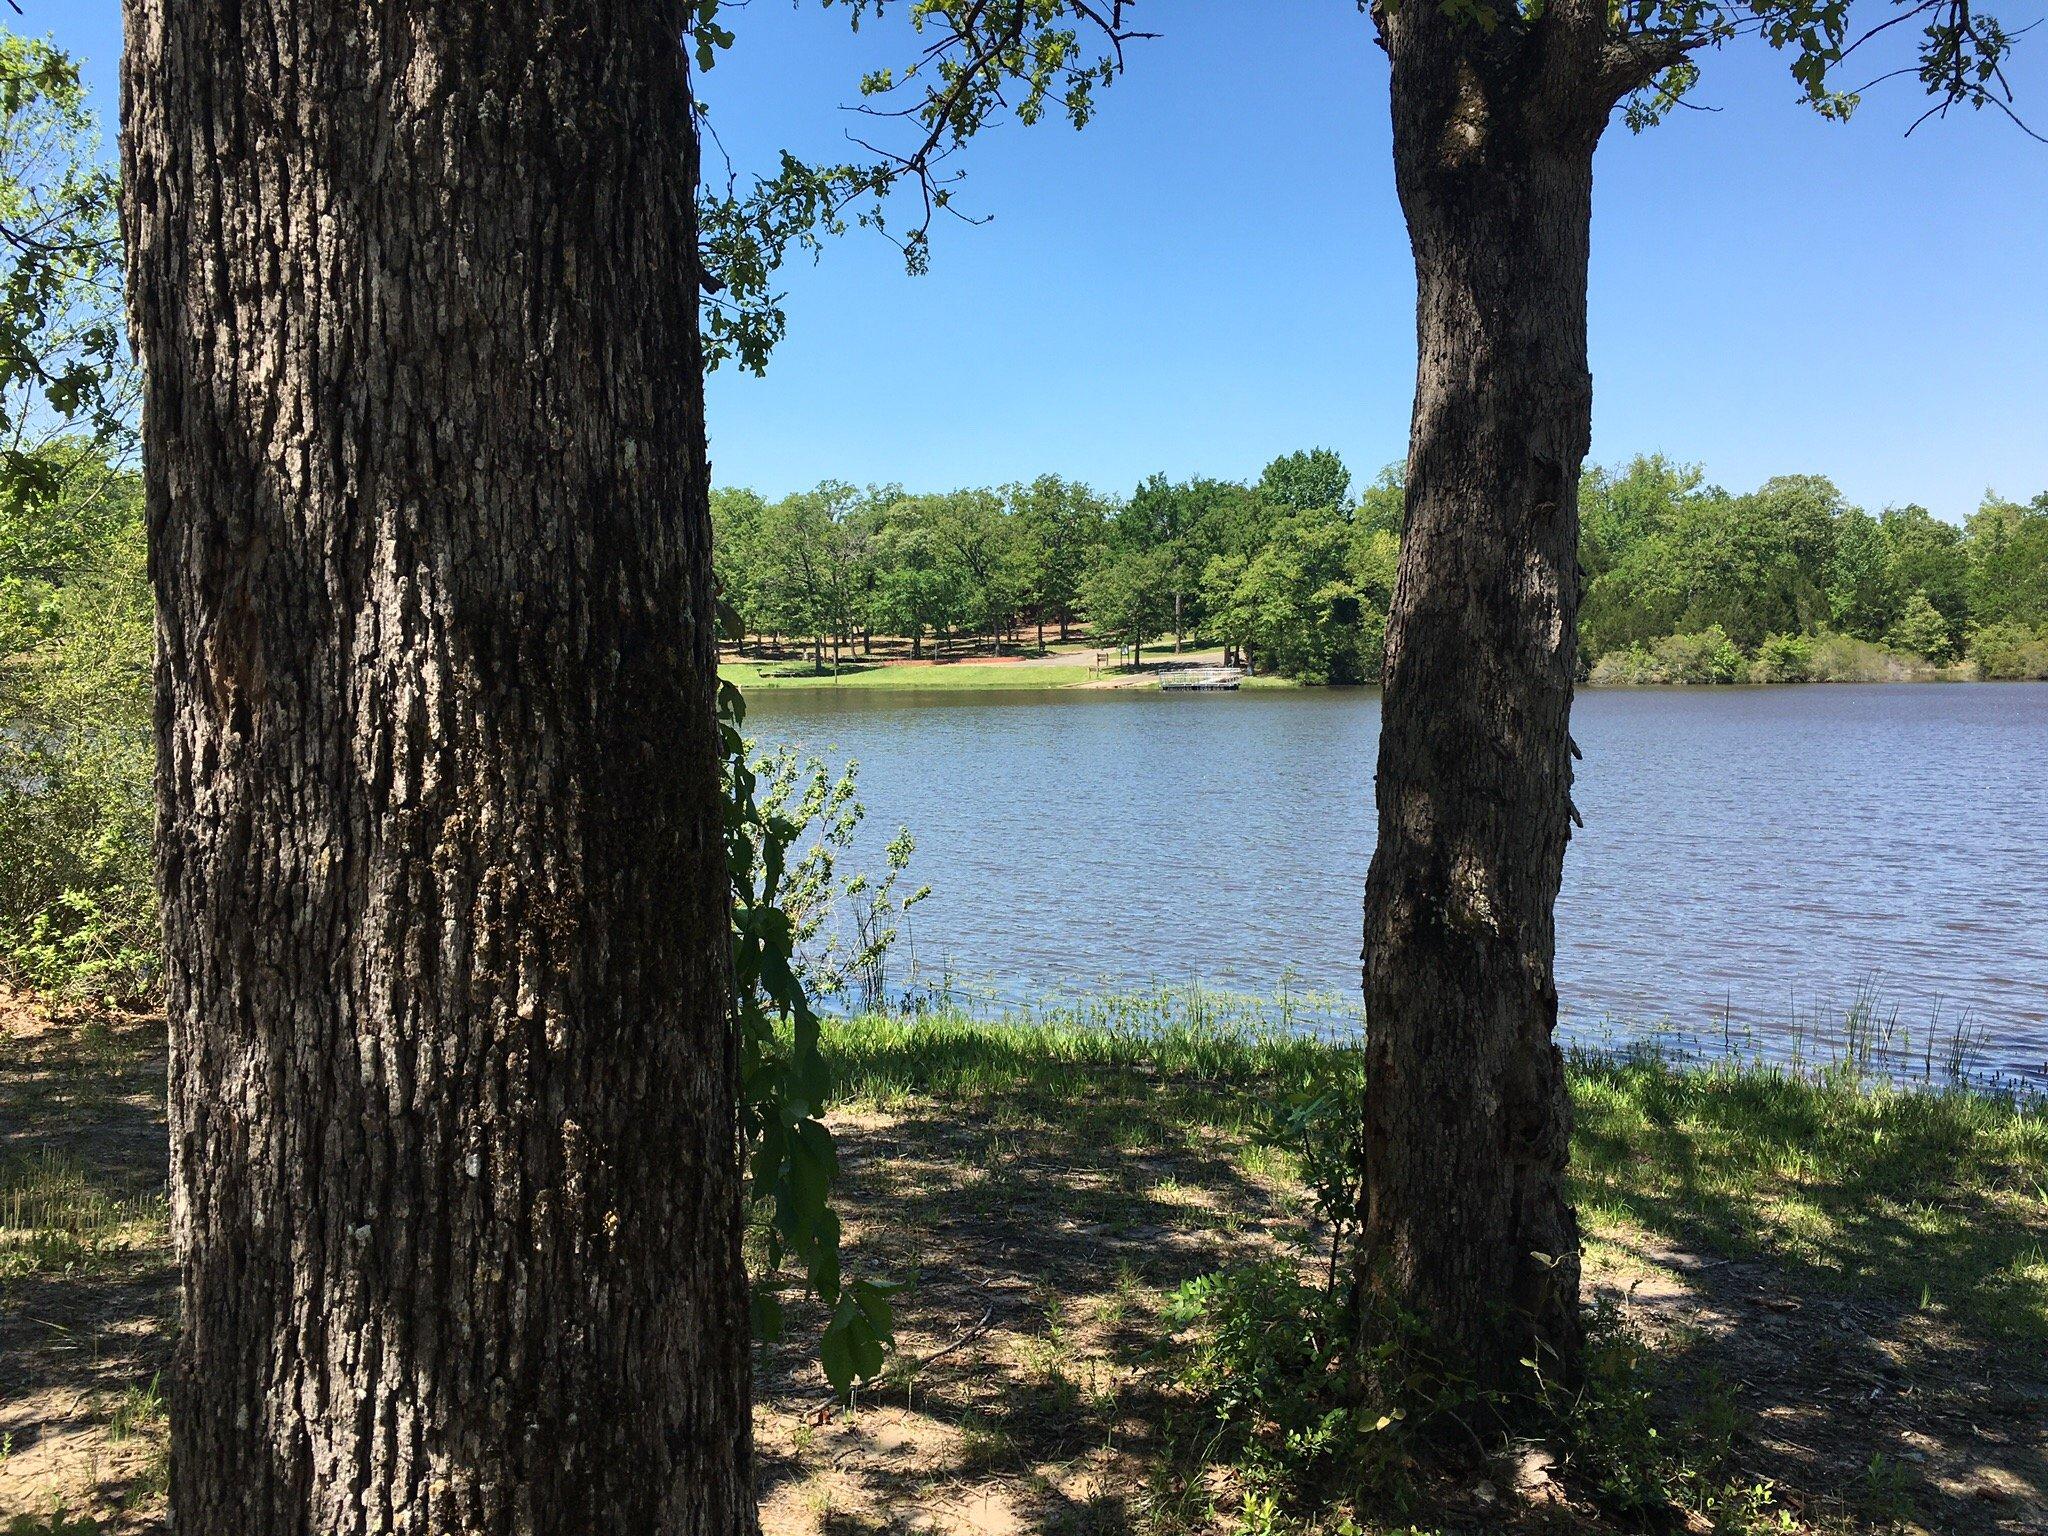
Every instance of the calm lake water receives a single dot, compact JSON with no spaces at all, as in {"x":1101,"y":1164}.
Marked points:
{"x":1753,"y":860}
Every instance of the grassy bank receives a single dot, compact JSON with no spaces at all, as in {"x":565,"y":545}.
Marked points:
{"x":1936,"y":1201}
{"x":955,"y":676}
{"x":943,"y":676}
{"x":1838,"y":1292}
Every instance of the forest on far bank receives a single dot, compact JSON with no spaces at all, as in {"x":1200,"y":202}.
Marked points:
{"x":1292,"y":573}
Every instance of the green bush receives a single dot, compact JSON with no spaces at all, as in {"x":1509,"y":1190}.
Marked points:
{"x":2010,"y":651}
{"x":1921,"y":630}
{"x":1707,"y":657}
{"x":1634,"y":667}
{"x":78,"y":908}
{"x":1845,"y":659}
{"x":1783,"y":659}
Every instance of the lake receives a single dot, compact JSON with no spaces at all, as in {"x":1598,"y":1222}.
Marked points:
{"x":1755,"y":862}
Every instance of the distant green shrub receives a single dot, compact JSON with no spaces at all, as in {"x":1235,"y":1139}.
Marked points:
{"x":2010,"y":651}
{"x":1921,"y":630}
{"x":1706,"y":657}
{"x":1633,"y":667}
{"x":1783,"y":659}
{"x":1845,"y":659}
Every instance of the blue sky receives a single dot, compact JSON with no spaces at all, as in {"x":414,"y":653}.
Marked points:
{"x":1215,"y":272}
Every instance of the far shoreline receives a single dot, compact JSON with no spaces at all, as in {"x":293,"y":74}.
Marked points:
{"x":1035,"y":675}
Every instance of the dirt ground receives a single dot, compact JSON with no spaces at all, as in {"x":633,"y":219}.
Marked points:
{"x":1027,"y":1393}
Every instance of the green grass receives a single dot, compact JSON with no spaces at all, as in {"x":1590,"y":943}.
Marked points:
{"x":947,"y":676}
{"x":993,"y":676}
{"x":1937,"y":1201}
{"x":1934,"y":1202}
{"x":57,"y":1215}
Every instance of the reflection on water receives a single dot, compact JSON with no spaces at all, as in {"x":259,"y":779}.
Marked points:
{"x":1754,"y":861}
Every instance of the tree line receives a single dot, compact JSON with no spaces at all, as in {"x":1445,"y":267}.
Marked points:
{"x":1790,"y":582}
{"x":1293,"y":573}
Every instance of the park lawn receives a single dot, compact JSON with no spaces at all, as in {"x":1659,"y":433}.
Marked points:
{"x":1005,"y":676}
{"x":1842,"y":1288}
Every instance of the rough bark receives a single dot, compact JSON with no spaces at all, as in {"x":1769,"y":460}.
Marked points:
{"x":454,"y":1178}
{"x":1467,"y":1122}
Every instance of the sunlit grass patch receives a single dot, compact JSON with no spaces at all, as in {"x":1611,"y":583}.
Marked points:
{"x":1907,"y":1193}
{"x":1925,"y":1198}
{"x":53,"y":1216}
{"x":992,"y":676}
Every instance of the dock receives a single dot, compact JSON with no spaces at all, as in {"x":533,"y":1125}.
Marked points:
{"x":1201,"y":679}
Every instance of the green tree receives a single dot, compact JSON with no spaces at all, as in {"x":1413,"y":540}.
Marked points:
{"x":2008,"y":549}
{"x":1293,"y":607}
{"x":77,"y":745}
{"x":1927,"y":555}
{"x":1863,"y":593}
{"x":66,"y":391}
{"x":1381,"y":504}
{"x":77,"y":912}
{"x":916,"y":588}
{"x":737,"y":516}
{"x":981,"y":547}
{"x":1130,"y":596}
{"x":1922,"y":629}
{"x":1307,"y":480}
{"x":1621,"y":510}
{"x":1060,"y":527}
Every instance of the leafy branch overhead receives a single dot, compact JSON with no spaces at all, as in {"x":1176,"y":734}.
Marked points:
{"x":62,"y":357}
{"x":974,"y":61}
{"x":1642,"y":53}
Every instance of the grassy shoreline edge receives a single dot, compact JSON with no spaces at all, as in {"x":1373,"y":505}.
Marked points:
{"x":1065,"y":1174}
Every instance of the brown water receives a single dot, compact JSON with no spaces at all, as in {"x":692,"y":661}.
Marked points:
{"x":1755,"y":862}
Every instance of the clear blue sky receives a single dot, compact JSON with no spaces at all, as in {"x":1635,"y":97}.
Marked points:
{"x":1215,"y":272}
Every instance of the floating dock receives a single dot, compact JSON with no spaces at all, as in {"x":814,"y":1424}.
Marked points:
{"x":1201,"y":680}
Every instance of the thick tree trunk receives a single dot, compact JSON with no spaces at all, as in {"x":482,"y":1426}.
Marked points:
{"x":1467,"y":1122}
{"x":454,"y":1178}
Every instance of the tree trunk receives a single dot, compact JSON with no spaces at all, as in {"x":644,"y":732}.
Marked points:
{"x":1467,"y":1121}
{"x":453,"y":1168}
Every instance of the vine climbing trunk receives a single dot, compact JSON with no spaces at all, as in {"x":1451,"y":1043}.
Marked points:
{"x":1467,"y":1122}
{"x":454,"y":1175}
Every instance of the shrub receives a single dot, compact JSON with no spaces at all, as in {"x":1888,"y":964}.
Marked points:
{"x":2010,"y":651}
{"x":78,"y":908}
{"x":1783,"y":659}
{"x":1845,"y":659}
{"x":1707,"y":657}
{"x":1634,"y":667}
{"x":1921,"y":630}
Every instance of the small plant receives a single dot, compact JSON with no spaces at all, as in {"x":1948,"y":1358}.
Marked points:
{"x":1623,"y":1447}
{"x":784,"y":1081}
{"x":60,"y":1523}
{"x":140,"y":1411}
{"x":1884,"y":1489}
{"x":1317,"y":1124}
{"x":1265,"y":1360}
